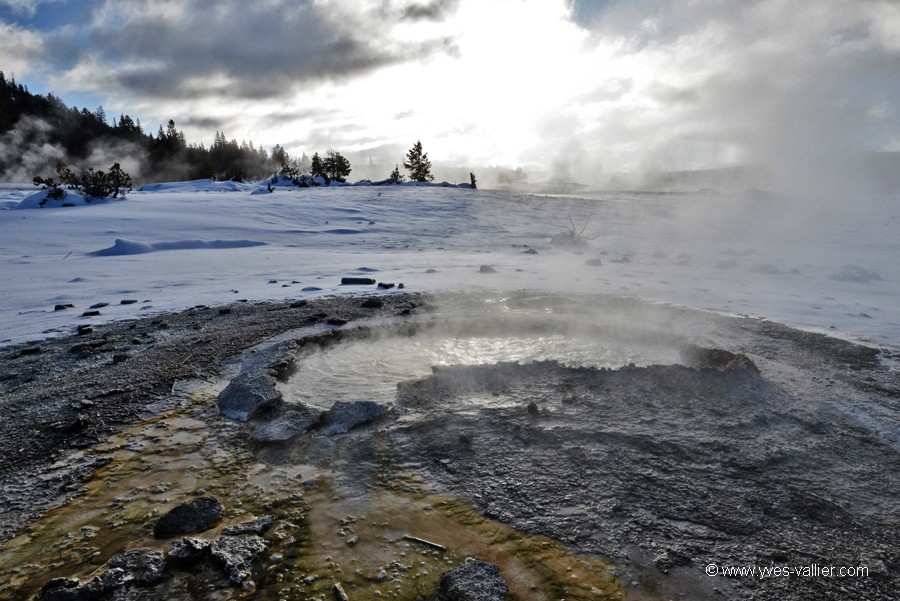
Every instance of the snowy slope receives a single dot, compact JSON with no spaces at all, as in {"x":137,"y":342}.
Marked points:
{"x":822,"y":266}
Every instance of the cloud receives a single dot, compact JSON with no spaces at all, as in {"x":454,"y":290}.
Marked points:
{"x":26,"y":7}
{"x":184,"y":50}
{"x":436,"y":10}
{"x":21,"y":49}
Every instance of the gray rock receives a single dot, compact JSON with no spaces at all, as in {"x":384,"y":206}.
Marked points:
{"x":486,"y":269}
{"x":198,"y":515}
{"x":248,"y":394}
{"x":112,"y":579}
{"x":292,"y":423}
{"x":188,"y":551}
{"x":236,"y":555}
{"x":473,"y":581}
{"x":257,"y":526}
{"x":357,"y":282}
{"x":345,"y":415}
{"x":145,"y":567}
{"x":71,"y":589}
{"x":593,"y":262}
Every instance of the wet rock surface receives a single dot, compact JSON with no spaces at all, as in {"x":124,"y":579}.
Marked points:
{"x":779,"y":450}
{"x":668,"y":466}
{"x":174,"y":350}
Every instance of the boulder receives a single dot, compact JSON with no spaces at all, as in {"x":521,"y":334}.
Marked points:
{"x":345,"y":415}
{"x":486,"y":269}
{"x":248,"y":394}
{"x":473,"y":581}
{"x":198,"y":515}
{"x":236,"y":555}
{"x":143,"y":566}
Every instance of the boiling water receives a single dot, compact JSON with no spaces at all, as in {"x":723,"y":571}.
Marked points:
{"x":369,"y":365}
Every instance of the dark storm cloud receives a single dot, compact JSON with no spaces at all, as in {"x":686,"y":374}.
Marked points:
{"x":436,"y":10}
{"x":243,"y":50}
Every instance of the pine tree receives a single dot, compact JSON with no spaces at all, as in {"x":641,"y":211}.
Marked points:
{"x":336,"y":167}
{"x":316,"y":169}
{"x":396,"y":175}
{"x":417,"y":164}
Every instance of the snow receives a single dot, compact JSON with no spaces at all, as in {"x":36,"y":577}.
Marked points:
{"x":822,"y":265}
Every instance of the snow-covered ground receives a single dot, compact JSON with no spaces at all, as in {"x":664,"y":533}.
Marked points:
{"x":829,"y":266}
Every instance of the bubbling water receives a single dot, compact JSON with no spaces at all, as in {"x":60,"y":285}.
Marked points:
{"x":371,"y":363}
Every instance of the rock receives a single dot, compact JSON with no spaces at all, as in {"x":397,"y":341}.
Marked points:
{"x":292,"y":423}
{"x":225,"y":310}
{"x":385,"y":286}
{"x":236,"y":555}
{"x":593,"y":262}
{"x":336,"y":321}
{"x":84,"y":330}
{"x":120,"y":358}
{"x":345,"y":415}
{"x":702,"y":357}
{"x":112,"y":579}
{"x":357,"y":282}
{"x":248,"y":394}
{"x":143,"y":566}
{"x":31,"y":350}
{"x":338,"y":591}
{"x":473,"y":581}
{"x":431,"y":270}
{"x":98,"y":305}
{"x":198,"y":515}
{"x":533,"y":408}
{"x":372,"y":303}
{"x":530,"y":251}
{"x":401,"y":286}
{"x":381,"y":576}
{"x":63,"y":307}
{"x":299,"y":304}
{"x":188,"y":551}
{"x":71,"y":589}
{"x":486,"y":269}
{"x":90,"y":314}
{"x":257,"y":526}
{"x":128,"y":301}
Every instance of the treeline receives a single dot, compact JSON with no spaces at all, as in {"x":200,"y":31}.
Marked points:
{"x":37,"y":132}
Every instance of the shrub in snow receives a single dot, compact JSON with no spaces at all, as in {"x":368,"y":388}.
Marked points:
{"x":88,"y":183}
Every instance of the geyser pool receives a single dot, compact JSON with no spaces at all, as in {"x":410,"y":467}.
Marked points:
{"x":369,"y":363}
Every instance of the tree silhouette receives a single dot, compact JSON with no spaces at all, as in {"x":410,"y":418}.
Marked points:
{"x":417,"y":164}
{"x":336,"y":167}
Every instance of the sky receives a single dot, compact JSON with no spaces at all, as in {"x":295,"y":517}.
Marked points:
{"x":576,"y":89}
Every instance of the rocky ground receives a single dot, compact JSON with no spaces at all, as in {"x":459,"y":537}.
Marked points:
{"x":765,"y":446}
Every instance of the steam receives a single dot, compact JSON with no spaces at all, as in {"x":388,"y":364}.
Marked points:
{"x":26,"y":151}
